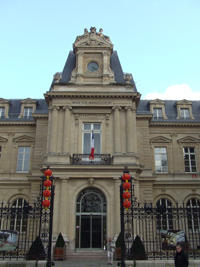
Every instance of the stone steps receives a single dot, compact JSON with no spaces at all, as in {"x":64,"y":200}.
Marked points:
{"x":86,"y":254}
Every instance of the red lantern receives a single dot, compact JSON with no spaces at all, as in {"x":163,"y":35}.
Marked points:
{"x":46,"y":203}
{"x":46,"y":193}
{"x":126,"y":185}
{"x":48,"y":172}
{"x":126,"y":176}
{"x":47,"y":183}
{"x":126,"y":195}
{"x":127,"y":204}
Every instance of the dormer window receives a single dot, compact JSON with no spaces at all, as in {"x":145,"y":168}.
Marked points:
{"x":28,"y":112}
{"x":28,"y":107}
{"x":157,"y":113}
{"x":157,"y":108}
{"x":2,"y":112}
{"x":185,"y":114}
{"x":184,"y":109}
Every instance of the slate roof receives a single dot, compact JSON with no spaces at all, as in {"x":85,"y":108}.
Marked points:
{"x":143,"y":109}
{"x":114,"y":65}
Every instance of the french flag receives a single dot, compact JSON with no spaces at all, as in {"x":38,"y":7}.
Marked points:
{"x":92,"y":147}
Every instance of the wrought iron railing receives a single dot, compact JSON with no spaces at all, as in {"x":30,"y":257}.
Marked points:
{"x":84,"y":159}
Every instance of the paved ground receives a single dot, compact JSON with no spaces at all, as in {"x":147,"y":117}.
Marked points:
{"x":84,"y":263}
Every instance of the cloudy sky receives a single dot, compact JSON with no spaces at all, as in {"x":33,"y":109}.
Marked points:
{"x":158,"y":41}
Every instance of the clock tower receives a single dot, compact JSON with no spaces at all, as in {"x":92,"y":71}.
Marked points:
{"x":93,"y":51}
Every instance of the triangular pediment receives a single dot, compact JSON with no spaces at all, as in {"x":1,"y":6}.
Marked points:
{"x":29,"y":101}
{"x":92,"y":39}
{"x":24,"y":138}
{"x":157,"y":101}
{"x":4,"y":101}
{"x":183,"y":102}
{"x":160,"y":139}
{"x":188,"y":139}
{"x":3,"y":139}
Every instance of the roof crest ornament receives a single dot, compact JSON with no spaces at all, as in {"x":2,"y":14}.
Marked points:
{"x":92,"y":38}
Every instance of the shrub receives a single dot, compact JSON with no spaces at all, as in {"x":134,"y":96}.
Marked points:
{"x":60,"y":243}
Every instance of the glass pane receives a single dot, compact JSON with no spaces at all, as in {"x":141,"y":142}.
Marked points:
{"x":86,"y":143}
{"x":156,"y":149}
{"x":21,"y":149}
{"x":163,"y":150}
{"x":97,"y":143}
{"x":27,"y":149}
{"x":191,"y":150}
{"x":87,"y":126}
{"x":97,"y":126}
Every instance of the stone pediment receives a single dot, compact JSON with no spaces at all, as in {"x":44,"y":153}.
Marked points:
{"x":160,"y":139}
{"x":92,"y":39}
{"x":24,"y":138}
{"x":4,"y":101}
{"x":183,"y":102}
{"x":157,"y":101}
{"x":188,"y":139}
{"x":29,"y":101}
{"x":3,"y":139}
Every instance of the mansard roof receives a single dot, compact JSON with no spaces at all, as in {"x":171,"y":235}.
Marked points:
{"x":170,"y":111}
{"x":115,"y":66}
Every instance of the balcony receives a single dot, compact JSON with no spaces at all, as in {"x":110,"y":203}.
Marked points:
{"x":99,"y":159}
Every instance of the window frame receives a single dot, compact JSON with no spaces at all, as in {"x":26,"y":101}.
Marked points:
{"x":90,"y":132}
{"x":193,"y":220}
{"x":157,"y":113}
{"x":183,"y":113}
{"x":24,"y":153}
{"x":29,"y":113}
{"x":161,"y":166}
{"x":22,"y":219}
{"x":165,"y":216}
{"x":190,"y":160}
{"x":2,"y":110}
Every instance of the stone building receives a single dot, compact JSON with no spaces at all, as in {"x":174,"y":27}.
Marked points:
{"x":157,"y":140}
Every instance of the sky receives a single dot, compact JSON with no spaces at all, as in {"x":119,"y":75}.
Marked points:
{"x":158,"y":41}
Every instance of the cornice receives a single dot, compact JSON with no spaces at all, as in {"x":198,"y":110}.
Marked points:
{"x":174,"y":124}
{"x":18,"y":123}
{"x":144,"y":117}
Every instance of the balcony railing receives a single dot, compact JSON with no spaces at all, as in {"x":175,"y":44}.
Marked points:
{"x":99,"y":159}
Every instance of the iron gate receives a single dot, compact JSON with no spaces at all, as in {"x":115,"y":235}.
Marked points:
{"x":158,"y":227}
{"x":23,"y":223}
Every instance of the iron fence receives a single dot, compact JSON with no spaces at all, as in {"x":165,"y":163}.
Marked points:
{"x":160,"y":228}
{"x":21,"y":224}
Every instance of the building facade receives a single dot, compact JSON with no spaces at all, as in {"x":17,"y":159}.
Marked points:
{"x":92,"y":98}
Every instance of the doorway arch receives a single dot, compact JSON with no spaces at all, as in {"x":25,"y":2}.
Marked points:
{"x":91,"y":210}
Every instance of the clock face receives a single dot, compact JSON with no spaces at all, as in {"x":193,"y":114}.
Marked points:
{"x":92,"y":66}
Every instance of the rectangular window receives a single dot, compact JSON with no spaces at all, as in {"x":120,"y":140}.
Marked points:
{"x":2,"y":112}
{"x":28,"y":112}
{"x":189,"y":159}
{"x":157,"y":113}
{"x":87,"y":137}
{"x":185,"y":113}
{"x":161,"y":159}
{"x":23,"y":159}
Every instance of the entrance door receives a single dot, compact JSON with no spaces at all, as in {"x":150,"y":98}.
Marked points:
{"x":91,"y":228}
{"x":90,"y":219}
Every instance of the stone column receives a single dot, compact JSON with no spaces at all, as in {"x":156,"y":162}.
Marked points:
{"x":130,"y":132}
{"x":134,"y":131}
{"x":116,"y":137}
{"x":79,"y":63}
{"x":53,"y":135}
{"x":66,"y":130}
{"x":63,"y":208}
{"x":117,"y":206}
{"x":105,"y":62}
{"x":175,"y":154}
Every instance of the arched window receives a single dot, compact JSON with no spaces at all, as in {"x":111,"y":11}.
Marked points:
{"x":19,"y":217}
{"x":193,"y":214}
{"x":164,"y":214}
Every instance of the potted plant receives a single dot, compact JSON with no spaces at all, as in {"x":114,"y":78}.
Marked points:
{"x":60,"y":248}
{"x":138,"y":249}
{"x":36,"y":251}
{"x":118,"y":246}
